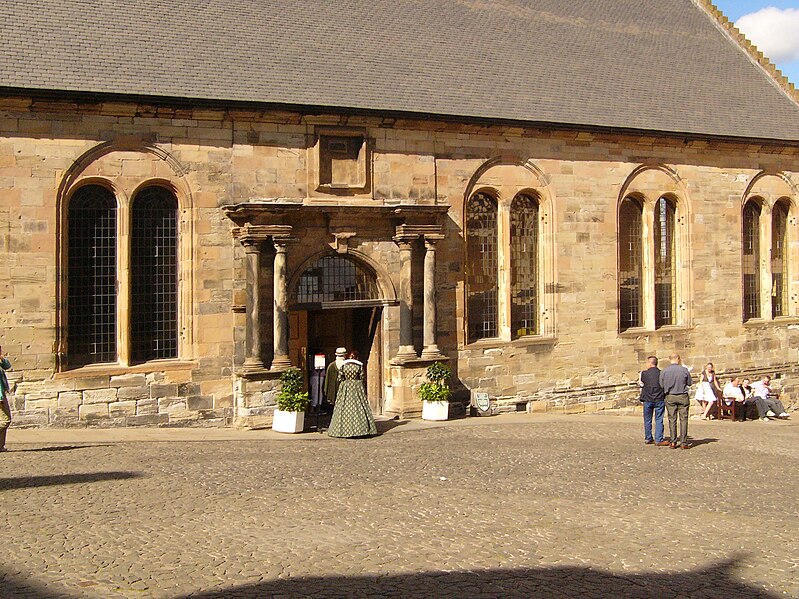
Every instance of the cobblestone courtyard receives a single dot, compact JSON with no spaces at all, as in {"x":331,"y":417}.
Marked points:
{"x":510,"y":506}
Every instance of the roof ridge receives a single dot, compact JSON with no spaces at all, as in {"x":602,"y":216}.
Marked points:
{"x":761,"y":59}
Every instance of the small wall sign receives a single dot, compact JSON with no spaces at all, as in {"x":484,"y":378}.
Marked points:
{"x":482,"y":402}
{"x":319,"y":361}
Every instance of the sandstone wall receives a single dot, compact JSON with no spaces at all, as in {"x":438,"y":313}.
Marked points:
{"x":218,"y":157}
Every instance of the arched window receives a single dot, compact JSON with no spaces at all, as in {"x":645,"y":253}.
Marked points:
{"x":630,"y":264}
{"x":481,"y":267}
{"x":751,"y":260}
{"x":154,"y":275}
{"x":524,"y":265}
{"x":779,"y":260}
{"x":335,"y":279}
{"x":92,"y":276}
{"x":665,"y":263}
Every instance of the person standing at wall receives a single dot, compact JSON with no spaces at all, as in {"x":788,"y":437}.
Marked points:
{"x":5,"y":409}
{"x":676,"y":381}
{"x":653,"y":398}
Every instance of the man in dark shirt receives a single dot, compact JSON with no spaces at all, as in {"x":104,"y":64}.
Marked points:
{"x":654,"y":400}
{"x":676,"y":380}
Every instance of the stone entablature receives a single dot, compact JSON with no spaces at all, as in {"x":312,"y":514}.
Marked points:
{"x":258,"y":162}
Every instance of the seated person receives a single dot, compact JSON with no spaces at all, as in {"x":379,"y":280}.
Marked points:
{"x":769,"y":404}
{"x":734,"y":393}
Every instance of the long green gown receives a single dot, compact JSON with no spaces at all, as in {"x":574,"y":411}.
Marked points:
{"x":352,"y":416}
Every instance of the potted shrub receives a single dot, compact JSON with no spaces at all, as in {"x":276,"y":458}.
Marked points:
{"x":292,"y":402}
{"x":435,"y":392}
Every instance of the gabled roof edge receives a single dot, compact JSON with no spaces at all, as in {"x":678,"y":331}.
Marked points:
{"x":781,"y":81}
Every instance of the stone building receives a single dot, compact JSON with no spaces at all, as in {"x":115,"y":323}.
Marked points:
{"x":195,"y":197}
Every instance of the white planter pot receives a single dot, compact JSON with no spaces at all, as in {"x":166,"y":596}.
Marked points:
{"x":435,"y":410}
{"x":288,"y":422}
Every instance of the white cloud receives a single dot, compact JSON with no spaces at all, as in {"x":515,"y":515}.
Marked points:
{"x":774,"y":31}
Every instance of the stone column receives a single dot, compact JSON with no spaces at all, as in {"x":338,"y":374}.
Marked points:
{"x":406,"y":350}
{"x":252,"y":358}
{"x":281,"y":359}
{"x":430,"y":350}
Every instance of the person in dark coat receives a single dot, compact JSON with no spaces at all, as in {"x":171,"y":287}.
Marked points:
{"x":654,"y":399}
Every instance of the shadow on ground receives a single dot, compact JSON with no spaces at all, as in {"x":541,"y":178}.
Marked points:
{"x":28,"y":482}
{"x":714,"y":581}
{"x":62,"y":447}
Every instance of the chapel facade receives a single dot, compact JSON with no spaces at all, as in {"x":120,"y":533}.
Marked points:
{"x":166,"y":257}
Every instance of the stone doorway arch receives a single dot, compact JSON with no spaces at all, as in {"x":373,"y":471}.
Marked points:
{"x":336,"y":300}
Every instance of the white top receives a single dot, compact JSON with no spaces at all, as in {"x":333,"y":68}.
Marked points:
{"x":760,"y":389}
{"x":733,"y":392}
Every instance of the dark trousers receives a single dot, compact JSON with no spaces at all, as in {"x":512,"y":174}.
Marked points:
{"x":678,"y":405}
{"x":655,"y":408}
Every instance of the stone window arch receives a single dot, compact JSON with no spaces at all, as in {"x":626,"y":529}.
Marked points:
{"x":750,"y":260}
{"x":154,"y":275}
{"x":665,"y":249}
{"x":524,"y":254}
{"x":653,"y":239}
{"x":631,"y":263}
{"x":779,"y":258}
{"x":482,"y":263}
{"x":91,"y":276}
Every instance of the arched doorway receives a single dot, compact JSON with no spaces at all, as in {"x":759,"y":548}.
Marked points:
{"x":336,"y":302}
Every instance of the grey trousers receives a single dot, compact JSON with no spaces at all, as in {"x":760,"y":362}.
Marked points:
{"x":678,"y":405}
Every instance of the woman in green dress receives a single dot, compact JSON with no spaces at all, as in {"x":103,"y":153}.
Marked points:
{"x":352,"y":416}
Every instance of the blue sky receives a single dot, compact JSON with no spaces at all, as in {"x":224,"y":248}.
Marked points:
{"x":773,"y":26}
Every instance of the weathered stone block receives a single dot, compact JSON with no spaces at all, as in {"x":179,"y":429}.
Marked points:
{"x":41,"y":404}
{"x":122,"y":408}
{"x":129,"y":380}
{"x":147,"y":420}
{"x":96,"y":396}
{"x":158,"y":390}
{"x":186,"y":389}
{"x":30,"y":418}
{"x":200,"y":402}
{"x":65,"y":417}
{"x":93,"y":411}
{"x":171,"y":405}
{"x":70,"y":399}
{"x":133,"y":393}
{"x":96,"y":382}
{"x":145,"y":407}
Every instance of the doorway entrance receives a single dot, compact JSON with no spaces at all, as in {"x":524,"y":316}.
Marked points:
{"x":321,"y":331}
{"x":336,"y":303}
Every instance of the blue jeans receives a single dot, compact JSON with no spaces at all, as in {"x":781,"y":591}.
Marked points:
{"x":656,"y":407}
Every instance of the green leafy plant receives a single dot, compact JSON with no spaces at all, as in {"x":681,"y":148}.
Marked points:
{"x":291,"y":397}
{"x":436,"y":388}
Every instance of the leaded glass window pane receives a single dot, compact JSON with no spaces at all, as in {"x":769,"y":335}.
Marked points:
{"x":630,"y":264}
{"x":751,"y":261}
{"x":481,"y":267}
{"x":665,"y":266}
{"x":524,"y":265}
{"x":154,"y":275}
{"x":92,"y":277}
{"x":779,"y":260}
{"x":335,"y":279}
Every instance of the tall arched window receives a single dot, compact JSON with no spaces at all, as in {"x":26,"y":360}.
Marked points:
{"x":524,"y":265}
{"x":751,"y":260}
{"x":665,"y":263}
{"x":779,"y":259}
{"x":630,"y":264}
{"x":92,"y":276}
{"x":154,"y":275}
{"x":481,"y":267}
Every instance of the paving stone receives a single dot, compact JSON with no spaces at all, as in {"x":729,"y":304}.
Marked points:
{"x":546,"y":506}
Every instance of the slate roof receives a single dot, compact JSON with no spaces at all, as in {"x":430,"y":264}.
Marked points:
{"x":662,"y":65}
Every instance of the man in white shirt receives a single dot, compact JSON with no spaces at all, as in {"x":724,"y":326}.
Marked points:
{"x":773,"y":406}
